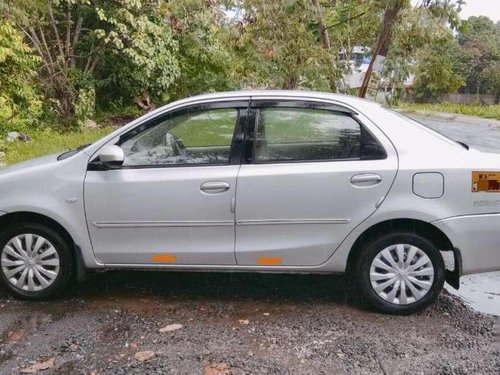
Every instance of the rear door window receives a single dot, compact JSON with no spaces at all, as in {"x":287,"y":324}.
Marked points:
{"x":305,"y":134}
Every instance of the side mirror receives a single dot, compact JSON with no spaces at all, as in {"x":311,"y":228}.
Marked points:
{"x":111,"y":157}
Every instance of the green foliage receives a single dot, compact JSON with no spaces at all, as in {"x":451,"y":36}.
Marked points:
{"x":479,"y":54}
{"x":491,"y":76}
{"x":434,"y":75}
{"x":20,"y":103}
{"x":140,"y":49}
{"x":85,"y":105}
{"x":96,"y":56}
{"x":205,"y":52}
{"x":275,"y":47}
{"x":396,"y":70}
{"x":77,"y":40}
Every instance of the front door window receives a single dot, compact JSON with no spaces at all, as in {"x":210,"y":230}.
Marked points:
{"x":195,"y":137}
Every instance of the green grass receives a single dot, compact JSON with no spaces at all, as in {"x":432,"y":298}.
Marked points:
{"x":485,"y":111}
{"x":49,"y":142}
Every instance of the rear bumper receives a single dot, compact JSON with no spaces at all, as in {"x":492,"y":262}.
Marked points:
{"x":478,"y":238}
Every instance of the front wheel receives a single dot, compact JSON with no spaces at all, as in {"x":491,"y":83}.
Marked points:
{"x":36,"y":262}
{"x":400,"y":273}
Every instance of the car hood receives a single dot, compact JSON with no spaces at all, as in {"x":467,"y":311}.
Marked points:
{"x":30,"y":164}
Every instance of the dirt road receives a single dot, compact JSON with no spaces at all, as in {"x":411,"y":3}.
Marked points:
{"x":181,"y":323}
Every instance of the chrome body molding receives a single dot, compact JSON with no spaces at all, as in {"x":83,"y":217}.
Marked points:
{"x":292,"y":221}
{"x":156,"y":224}
{"x":474,"y":216}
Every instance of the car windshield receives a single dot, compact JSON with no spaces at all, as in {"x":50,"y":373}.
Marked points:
{"x":429,"y":129}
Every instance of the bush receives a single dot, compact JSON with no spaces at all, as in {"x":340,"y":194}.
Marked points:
{"x":20,"y":103}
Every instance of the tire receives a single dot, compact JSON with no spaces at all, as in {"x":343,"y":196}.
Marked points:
{"x":422,"y":276}
{"x":57,"y":264}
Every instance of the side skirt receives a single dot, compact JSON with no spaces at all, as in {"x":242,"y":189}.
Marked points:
{"x":216,"y":268}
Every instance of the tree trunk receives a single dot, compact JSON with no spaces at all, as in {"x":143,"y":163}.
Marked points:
{"x":382,"y":44}
{"x":325,"y":41}
{"x":145,"y":102}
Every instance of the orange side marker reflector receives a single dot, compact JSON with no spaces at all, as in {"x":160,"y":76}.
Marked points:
{"x":164,"y":258}
{"x":270,"y":261}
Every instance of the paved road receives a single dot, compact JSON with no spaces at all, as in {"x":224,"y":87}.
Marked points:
{"x":482,"y":134}
{"x":129,"y":323}
{"x":482,"y":292}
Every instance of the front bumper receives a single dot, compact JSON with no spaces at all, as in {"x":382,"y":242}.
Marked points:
{"x":478,"y":239}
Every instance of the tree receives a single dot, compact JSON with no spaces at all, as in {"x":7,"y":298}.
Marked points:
{"x":139,"y":51}
{"x":397,"y":68}
{"x":205,"y":53}
{"x":434,"y":74}
{"x":77,"y":38}
{"x":479,"y":41}
{"x":274,"y":46}
{"x":20,"y":103}
{"x":491,"y":76}
{"x":384,"y":37}
{"x":325,"y":41}
{"x":440,"y":11}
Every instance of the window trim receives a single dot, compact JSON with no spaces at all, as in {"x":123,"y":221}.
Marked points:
{"x":235,"y":152}
{"x":257,"y":105}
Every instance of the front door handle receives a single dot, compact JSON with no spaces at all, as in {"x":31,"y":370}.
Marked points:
{"x":214,"y":187}
{"x":364,"y":180}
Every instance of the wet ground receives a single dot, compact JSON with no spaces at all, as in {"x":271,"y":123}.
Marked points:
{"x":238,"y":324}
{"x":207,"y":323}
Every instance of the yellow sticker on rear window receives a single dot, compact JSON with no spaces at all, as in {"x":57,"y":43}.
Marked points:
{"x":486,"y":182}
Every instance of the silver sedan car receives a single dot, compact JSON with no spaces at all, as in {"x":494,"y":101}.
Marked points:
{"x":264,"y":181}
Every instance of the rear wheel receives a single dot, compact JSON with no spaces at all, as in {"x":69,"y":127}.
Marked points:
{"x":36,"y":262}
{"x":400,"y":273}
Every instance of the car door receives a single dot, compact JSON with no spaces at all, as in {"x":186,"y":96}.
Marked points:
{"x":311,"y":174}
{"x":172,"y":201}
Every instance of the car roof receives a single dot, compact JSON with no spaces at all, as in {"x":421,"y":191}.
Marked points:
{"x":354,"y":101}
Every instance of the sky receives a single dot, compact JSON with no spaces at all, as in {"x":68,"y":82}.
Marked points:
{"x":489,"y":8}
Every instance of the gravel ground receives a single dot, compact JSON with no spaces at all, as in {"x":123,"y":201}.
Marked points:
{"x":130,"y":323}
{"x":238,"y":324}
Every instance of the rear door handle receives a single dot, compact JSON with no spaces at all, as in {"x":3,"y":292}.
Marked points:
{"x":214,"y":187}
{"x":368,"y":179}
